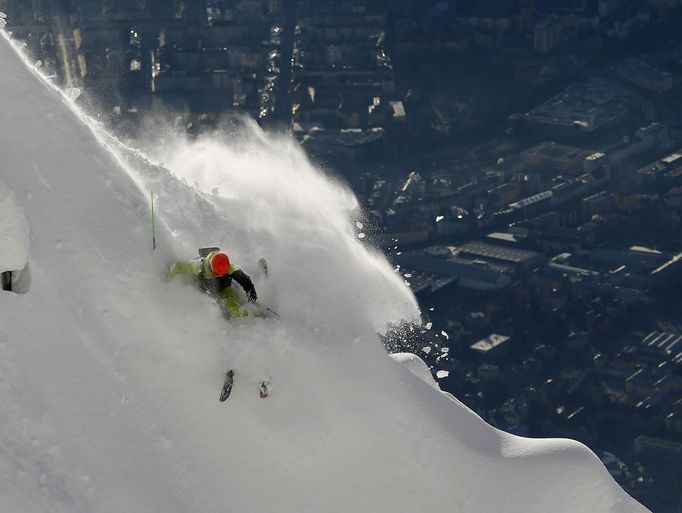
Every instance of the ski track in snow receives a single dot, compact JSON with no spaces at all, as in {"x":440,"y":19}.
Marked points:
{"x":109,"y":377}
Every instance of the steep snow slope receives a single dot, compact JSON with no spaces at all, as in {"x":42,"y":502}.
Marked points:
{"x":109,"y":378}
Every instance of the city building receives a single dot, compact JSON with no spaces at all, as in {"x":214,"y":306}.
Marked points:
{"x":642,"y":74}
{"x":343,"y":77}
{"x":583,"y":111}
{"x":554,"y":157}
{"x":474,"y":274}
{"x":548,"y":34}
{"x":497,"y":254}
{"x":492,"y":346}
{"x":657,"y":348}
{"x":668,"y":166}
{"x":645,"y":138}
{"x":659,"y":449}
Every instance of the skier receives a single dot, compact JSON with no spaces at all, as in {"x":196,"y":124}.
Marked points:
{"x":213,"y":272}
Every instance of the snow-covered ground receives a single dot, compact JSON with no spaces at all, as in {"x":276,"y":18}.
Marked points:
{"x":109,"y":377}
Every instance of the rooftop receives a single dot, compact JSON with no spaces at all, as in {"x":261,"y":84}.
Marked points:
{"x":531,"y":200}
{"x":497,"y":252}
{"x":662,"y":340}
{"x":344,"y":137}
{"x":667,"y":164}
{"x":453,"y":267}
{"x":659,"y":443}
{"x":490,"y":342}
{"x":506,"y":237}
{"x":636,"y":69}
{"x":557,"y":152}
{"x":582,"y":106}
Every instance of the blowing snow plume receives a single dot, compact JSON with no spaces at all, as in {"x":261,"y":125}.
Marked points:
{"x":109,"y":377}
{"x":273,"y":203}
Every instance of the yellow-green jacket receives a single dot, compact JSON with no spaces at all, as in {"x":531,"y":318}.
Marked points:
{"x":198,"y":271}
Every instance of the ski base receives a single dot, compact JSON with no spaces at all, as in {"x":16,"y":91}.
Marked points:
{"x":227,"y":385}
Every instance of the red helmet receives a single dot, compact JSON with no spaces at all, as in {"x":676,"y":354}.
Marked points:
{"x":219,"y":263}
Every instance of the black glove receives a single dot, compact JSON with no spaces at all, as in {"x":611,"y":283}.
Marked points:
{"x":251,"y":294}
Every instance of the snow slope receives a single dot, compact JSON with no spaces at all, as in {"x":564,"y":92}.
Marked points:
{"x":109,"y":377}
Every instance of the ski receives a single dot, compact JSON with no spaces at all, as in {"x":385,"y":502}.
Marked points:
{"x":264,"y":389}
{"x":263,"y":266}
{"x":266,"y":311}
{"x":227,"y":385}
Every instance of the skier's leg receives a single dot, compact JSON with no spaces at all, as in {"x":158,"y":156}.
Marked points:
{"x":231,"y":303}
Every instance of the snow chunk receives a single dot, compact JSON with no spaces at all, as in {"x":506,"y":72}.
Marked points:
{"x":445,"y":335}
{"x":361,"y":235}
{"x":14,"y":232}
{"x":359,"y":225}
{"x":439,"y":218}
{"x":442,"y":374}
{"x":429,"y":325}
{"x":73,"y":93}
{"x":426,"y":349}
{"x":416,"y":366}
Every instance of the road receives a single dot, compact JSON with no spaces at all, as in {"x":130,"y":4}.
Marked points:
{"x":61,"y":30}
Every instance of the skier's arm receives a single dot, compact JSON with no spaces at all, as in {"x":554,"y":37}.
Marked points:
{"x":243,"y":279}
{"x":182,"y":268}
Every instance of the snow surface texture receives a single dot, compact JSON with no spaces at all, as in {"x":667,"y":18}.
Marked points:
{"x":13,"y":232}
{"x":109,"y":378}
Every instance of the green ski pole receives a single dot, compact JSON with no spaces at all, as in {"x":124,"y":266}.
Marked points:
{"x":268,"y":309}
{"x":151,"y":195}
